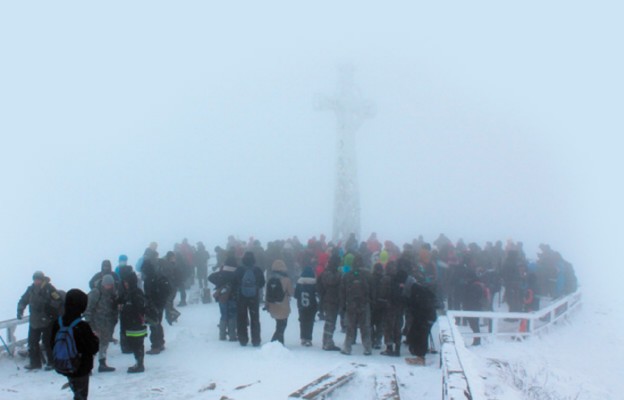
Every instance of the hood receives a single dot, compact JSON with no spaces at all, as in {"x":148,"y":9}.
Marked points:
{"x":75,"y":303}
{"x":280,"y":266}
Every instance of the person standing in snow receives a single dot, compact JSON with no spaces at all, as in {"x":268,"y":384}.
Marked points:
{"x":101,"y":315}
{"x":133,"y":318}
{"x":280,"y":310}
{"x":422,"y":306}
{"x":328,"y":286}
{"x":122,"y":271}
{"x":226,"y":297}
{"x":378,"y":308}
{"x":200,"y":259}
{"x":356,"y":296}
{"x":305,"y":293}
{"x":44,"y":304}
{"x":106,"y":269}
{"x":86,"y":342}
{"x":248,"y":283}
{"x":157,"y":292}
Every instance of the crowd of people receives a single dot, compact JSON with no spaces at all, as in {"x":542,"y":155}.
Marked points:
{"x":391,"y":296}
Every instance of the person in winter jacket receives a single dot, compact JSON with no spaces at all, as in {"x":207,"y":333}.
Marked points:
{"x":122,"y":271}
{"x":422,"y":306}
{"x":356,"y":296}
{"x":474,"y":300}
{"x":328,"y":286}
{"x":157,"y":293}
{"x":378,"y":308}
{"x":44,"y":304}
{"x":101,"y":315}
{"x":391,"y":293}
{"x":305,"y":293}
{"x":168,"y":275}
{"x":86,"y":341}
{"x":321,"y":263}
{"x":106,"y":269}
{"x":133,"y":319}
{"x":248,"y":283}
{"x":280,"y":310}
{"x":224,"y":282}
{"x":200,"y":259}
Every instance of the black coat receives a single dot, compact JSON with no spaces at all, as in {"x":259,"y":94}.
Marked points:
{"x":422,"y":303}
{"x":133,"y":311}
{"x":87,"y":343}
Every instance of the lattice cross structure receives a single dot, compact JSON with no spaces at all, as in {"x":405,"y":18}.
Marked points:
{"x":351,"y":110}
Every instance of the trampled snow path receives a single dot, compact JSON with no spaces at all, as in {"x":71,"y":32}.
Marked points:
{"x":195,"y":359}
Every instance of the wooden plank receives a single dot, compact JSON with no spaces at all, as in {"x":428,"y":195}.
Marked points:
{"x":386,"y":385}
{"x":327,"y":383}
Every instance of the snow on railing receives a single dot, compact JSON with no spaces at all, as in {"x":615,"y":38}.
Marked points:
{"x":457,"y":381}
{"x":9,"y":327}
{"x":520,"y":325}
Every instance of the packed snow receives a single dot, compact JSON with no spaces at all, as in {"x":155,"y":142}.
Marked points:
{"x":196,"y":365}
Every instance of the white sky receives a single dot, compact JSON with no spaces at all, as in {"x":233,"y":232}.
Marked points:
{"x":126,"y":123}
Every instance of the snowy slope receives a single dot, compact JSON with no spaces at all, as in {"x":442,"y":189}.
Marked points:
{"x":580,"y":359}
{"x":195,"y":359}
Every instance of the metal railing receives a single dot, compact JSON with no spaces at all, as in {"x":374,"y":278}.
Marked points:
{"x":520,"y":325}
{"x":8,"y":328}
{"x":456,"y":383}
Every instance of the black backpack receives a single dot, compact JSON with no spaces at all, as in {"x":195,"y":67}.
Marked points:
{"x":275,"y":291}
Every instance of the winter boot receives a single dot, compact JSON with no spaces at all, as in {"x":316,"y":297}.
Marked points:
{"x":138,"y":367}
{"x":397,"y":349}
{"x":103,"y":367}
{"x":222,"y":330}
{"x":389,"y":351}
{"x":231,"y":328}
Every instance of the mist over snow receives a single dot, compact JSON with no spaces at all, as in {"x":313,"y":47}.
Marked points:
{"x":124,"y":123}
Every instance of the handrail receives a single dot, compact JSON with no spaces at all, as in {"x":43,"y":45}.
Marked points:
{"x":10,"y":326}
{"x":523,"y":324}
{"x":455,"y":382}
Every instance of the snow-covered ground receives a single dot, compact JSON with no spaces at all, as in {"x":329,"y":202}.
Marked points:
{"x":580,"y":359}
{"x":194,"y":359}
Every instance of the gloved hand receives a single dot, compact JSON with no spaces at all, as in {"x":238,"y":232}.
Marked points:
{"x":19,"y":315}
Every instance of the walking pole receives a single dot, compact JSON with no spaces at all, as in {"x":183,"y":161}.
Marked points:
{"x":9,"y":351}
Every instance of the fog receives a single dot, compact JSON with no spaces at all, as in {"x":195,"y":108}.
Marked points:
{"x":125,"y":123}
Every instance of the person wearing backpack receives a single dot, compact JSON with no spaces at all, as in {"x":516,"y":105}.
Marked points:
{"x":279,"y":290}
{"x":249,"y":280}
{"x":133,"y":319}
{"x":44,"y":304}
{"x":74,"y":344}
{"x":305,"y":293}
{"x":356,"y":296}
{"x":101,"y":315}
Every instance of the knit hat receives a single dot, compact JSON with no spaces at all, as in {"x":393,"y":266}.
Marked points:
{"x":123,"y":257}
{"x":108,"y":280}
{"x":38,"y":275}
